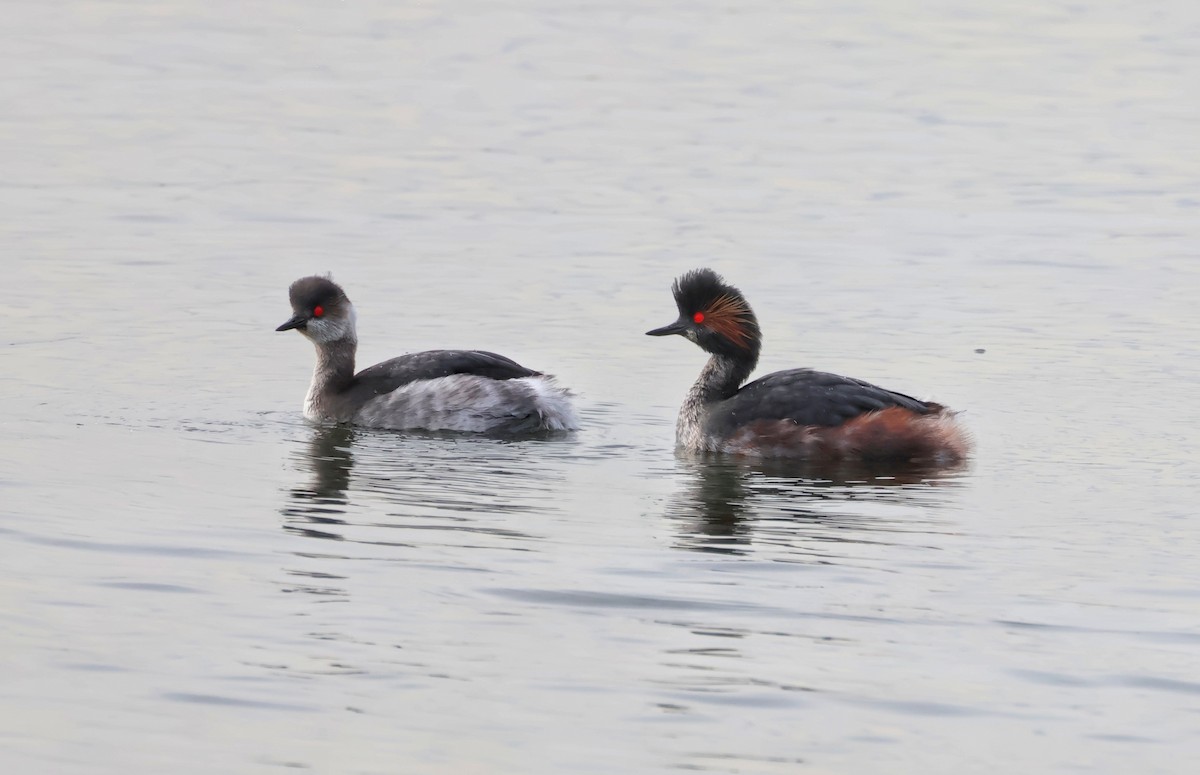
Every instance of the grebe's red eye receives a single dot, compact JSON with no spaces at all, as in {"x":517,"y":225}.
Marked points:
{"x":698,"y":317}
{"x":318,"y":311}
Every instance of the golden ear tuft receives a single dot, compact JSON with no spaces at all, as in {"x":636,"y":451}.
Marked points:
{"x":729,"y":316}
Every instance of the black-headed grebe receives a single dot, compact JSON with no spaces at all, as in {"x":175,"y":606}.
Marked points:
{"x":458,"y":390}
{"x":796,"y":413}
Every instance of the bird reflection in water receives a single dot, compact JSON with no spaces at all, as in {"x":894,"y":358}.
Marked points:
{"x":365,"y":485}
{"x":727,"y":504}
{"x":330,"y":460}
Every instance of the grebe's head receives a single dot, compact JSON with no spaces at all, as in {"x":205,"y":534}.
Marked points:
{"x":714,"y":315}
{"x":320,"y":310}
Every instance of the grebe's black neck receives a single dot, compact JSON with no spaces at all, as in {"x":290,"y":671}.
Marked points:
{"x":724,"y":374}
{"x":719,"y":379}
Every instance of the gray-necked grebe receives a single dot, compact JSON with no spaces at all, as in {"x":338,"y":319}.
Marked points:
{"x":796,"y":413}
{"x":459,"y":390}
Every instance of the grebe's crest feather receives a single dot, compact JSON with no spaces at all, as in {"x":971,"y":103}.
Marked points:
{"x":309,"y":292}
{"x":704,"y":297}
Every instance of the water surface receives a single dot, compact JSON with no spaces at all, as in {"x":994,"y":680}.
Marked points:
{"x":994,"y":206}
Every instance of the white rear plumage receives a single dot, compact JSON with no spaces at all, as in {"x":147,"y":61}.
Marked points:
{"x":466,"y":402}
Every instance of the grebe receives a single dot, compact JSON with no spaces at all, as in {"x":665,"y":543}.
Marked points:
{"x":459,"y":390}
{"x":796,"y":413}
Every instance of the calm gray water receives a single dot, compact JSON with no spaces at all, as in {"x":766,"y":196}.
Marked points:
{"x":996,"y":205}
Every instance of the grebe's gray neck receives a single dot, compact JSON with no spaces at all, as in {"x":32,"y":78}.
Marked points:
{"x":719,"y":379}
{"x":332,"y":374}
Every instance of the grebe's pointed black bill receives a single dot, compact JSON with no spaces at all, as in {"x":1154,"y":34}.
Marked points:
{"x":678,"y":327}
{"x":295,"y":321}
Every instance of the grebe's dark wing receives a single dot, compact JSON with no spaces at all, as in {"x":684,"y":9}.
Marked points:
{"x":807,"y":397}
{"x":389,"y":375}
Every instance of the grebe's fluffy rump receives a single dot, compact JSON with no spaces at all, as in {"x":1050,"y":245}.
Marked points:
{"x":888,"y":434}
{"x":465,"y":402}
